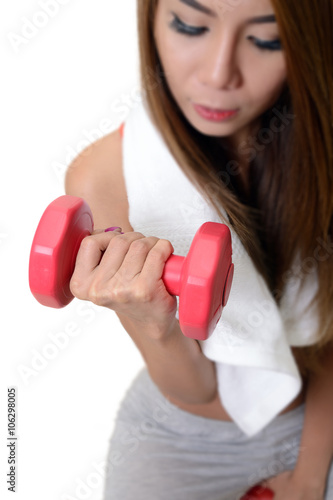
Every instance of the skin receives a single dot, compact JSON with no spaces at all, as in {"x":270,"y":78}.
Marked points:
{"x":221,"y":68}
{"x":123,"y":271}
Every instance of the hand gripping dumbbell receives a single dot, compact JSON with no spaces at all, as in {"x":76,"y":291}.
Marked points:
{"x":202,"y":279}
{"x":258,"y":492}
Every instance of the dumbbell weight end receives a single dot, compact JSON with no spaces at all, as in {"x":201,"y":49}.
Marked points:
{"x":202,"y":280}
{"x":62,"y":227}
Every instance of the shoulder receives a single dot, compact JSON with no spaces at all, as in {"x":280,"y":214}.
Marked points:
{"x":96,"y":175}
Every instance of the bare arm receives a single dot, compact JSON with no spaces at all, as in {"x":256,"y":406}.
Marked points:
{"x":316,"y":455}
{"x":176,"y":363}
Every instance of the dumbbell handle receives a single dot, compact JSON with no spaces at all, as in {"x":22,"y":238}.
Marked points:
{"x":172,"y":271}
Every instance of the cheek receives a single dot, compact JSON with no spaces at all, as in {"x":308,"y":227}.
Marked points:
{"x":268,"y":83}
{"x":177,"y":57}
{"x":176,"y":62}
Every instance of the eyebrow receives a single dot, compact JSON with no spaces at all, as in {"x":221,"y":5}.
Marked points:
{"x":253,"y":20}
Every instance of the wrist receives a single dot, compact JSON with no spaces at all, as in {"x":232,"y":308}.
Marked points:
{"x":162,"y":333}
{"x":154,"y":328}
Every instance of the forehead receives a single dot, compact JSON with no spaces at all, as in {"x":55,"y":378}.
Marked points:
{"x":223,"y":8}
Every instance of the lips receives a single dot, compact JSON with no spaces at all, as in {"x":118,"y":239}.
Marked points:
{"x":213,"y":114}
{"x":216,"y":110}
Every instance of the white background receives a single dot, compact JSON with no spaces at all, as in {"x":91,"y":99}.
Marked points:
{"x":69,"y":75}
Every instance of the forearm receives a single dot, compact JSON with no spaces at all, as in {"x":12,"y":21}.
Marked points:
{"x":176,"y":364}
{"x":316,"y":447}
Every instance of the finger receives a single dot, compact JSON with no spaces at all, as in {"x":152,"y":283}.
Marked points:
{"x":91,"y":252}
{"x":126,"y":256}
{"x":90,"y":264}
{"x":155,"y":262}
{"x":136,"y":256}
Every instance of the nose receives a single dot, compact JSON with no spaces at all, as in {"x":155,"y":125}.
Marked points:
{"x":219,"y":68}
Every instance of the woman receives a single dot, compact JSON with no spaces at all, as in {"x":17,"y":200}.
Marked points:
{"x":235,"y":127}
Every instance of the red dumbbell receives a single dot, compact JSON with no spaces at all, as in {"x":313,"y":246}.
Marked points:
{"x":258,"y":492}
{"x":202,"y":279}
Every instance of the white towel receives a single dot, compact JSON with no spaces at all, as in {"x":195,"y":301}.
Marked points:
{"x":251,"y":344}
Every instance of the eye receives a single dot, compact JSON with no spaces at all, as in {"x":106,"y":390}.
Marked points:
{"x":185,"y":29}
{"x":266,"y":45}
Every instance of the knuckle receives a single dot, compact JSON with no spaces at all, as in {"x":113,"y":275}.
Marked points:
{"x":142,"y":295}
{"x":166,"y":245}
{"x":88,"y":243}
{"x":139,"y":245}
{"x":97,"y":295}
{"x":110,"y":296}
{"x":93,"y":293}
{"x":75,"y":286}
{"x":119,"y":295}
{"x":119,"y":243}
{"x":162,"y":249}
{"x":156,"y":254}
{"x":143,"y":244}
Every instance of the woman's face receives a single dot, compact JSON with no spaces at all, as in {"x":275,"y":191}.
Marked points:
{"x":211,"y":55}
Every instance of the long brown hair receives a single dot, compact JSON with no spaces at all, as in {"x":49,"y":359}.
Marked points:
{"x":287,"y":212}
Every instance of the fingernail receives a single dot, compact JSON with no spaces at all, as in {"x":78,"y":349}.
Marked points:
{"x":112,"y":229}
